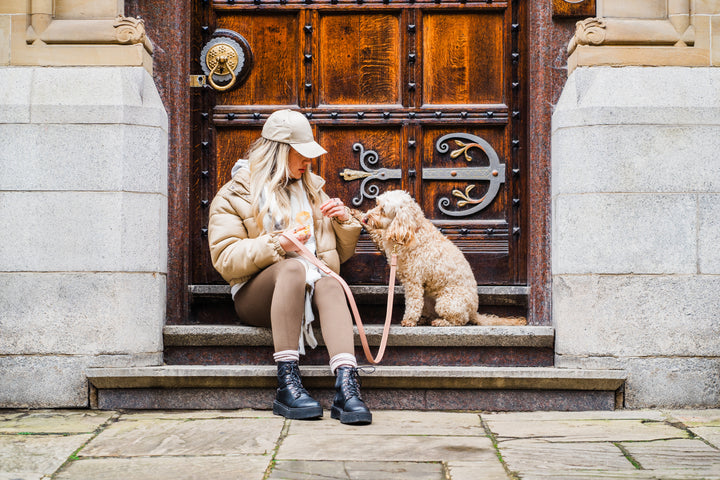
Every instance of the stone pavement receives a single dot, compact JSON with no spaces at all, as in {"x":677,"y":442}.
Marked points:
{"x":399,"y":445}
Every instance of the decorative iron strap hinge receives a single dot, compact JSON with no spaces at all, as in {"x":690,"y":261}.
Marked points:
{"x":198,"y":81}
{"x":493,"y":173}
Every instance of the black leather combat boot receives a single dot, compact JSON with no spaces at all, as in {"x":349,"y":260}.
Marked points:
{"x":292,"y":400}
{"x":348,"y":406}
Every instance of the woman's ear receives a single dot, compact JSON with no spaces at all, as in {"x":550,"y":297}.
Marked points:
{"x":402,"y":228}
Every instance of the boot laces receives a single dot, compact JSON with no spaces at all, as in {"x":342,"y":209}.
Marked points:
{"x":351,"y":384}
{"x":292,"y":377}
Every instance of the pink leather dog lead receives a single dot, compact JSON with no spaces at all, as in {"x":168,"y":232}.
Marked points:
{"x":305,"y":253}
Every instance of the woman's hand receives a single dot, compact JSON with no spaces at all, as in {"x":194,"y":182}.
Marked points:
{"x":302,"y":234}
{"x":334,"y":208}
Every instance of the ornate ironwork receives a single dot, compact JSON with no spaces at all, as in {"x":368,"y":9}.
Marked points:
{"x":493,"y":173}
{"x":368,"y":174}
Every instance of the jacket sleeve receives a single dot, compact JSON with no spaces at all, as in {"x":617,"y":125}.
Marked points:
{"x":234,"y":254}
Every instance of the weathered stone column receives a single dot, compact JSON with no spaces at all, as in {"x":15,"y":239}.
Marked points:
{"x":636,"y":201}
{"x":83,"y":199}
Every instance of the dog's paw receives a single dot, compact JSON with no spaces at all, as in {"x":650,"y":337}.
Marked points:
{"x":441,"y":322}
{"x":406,"y":322}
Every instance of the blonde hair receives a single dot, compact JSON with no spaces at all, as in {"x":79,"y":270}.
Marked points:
{"x":270,"y":173}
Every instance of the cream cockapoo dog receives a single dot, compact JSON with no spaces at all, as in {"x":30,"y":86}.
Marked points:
{"x":429,"y":265}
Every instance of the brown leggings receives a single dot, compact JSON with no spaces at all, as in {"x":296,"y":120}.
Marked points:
{"x":275,"y":298}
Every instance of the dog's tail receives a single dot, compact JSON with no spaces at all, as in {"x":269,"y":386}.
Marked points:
{"x":495,"y":320}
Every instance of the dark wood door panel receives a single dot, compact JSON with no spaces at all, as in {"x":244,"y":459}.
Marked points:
{"x":277,"y":45}
{"x":464,"y":57}
{"x":231,"y":145}
{"x":359,"y":58}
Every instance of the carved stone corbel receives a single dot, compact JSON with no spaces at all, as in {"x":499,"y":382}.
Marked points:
{"x":129,"y":30}
{"x":121,"y":31}
{"x":590,"y":31}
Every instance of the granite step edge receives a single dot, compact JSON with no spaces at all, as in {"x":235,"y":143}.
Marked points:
{"x":497,"y":295}
{"x":467,"y":336}
{"x":394,"y":377}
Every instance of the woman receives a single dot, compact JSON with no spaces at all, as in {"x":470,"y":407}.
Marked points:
{"x":273,"y":192}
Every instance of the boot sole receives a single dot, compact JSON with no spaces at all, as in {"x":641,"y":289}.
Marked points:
{"x":306,"y":413}
{"x":351,"y":418}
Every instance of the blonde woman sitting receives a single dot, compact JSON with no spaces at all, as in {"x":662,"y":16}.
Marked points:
{"x":274,"y":191}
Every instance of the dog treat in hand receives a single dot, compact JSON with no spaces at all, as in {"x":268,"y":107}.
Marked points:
{"x":304,"y":221}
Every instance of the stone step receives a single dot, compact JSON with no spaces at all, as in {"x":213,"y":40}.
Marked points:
{"x":499,"y":295}
{"x":477,"y":336}
{"x":467,"y":345}
{"x":384,"y":387}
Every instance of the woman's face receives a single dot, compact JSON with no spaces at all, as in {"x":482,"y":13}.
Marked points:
{"x":297,"y":164}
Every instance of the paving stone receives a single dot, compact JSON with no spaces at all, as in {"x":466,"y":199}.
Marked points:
{"x":54,"y":421}
{"x":688,"y":456}
{"x":361,"y":470}
{"x":709,"y":434}
{"x":386,"y":422}
{"x":583,"y":430}
{"x":696,"y":418}
{"x":154,"y":437}
{"x":589,"y":415}
{"x":399,"y":448}
{"x":197,"y":414}
{"x":32,"y":456}
{"x":540,"y":457}
{"x":246,"y":467}
{"x":486,"y":469}
{"x":590,"y":475}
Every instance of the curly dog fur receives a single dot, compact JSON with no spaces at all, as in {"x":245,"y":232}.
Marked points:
{"x":430,"y":266}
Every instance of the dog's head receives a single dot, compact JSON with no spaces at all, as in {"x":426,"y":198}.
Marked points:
{"x":396,"y":215}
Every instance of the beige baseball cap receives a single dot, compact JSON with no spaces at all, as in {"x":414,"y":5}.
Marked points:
{"x":291,"y":127}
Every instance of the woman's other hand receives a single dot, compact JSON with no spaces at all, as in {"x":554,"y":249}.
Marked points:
{"x":302,"y":234}
{"x":335,"y":208}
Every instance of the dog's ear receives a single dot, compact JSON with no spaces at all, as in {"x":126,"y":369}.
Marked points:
{"x":402,"y":228}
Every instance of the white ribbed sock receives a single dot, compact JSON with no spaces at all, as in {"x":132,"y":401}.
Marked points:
{"x":342,"y":359}
{"x":287,"y":356}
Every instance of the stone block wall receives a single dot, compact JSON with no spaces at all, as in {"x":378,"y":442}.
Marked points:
{"x":83,"y":244}
{"x":636,"y":224}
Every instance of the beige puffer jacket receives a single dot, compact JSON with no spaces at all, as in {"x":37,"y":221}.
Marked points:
{"x":239,"y":250}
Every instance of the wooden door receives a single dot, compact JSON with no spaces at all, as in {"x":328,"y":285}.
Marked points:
{"x":419,"y":95}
